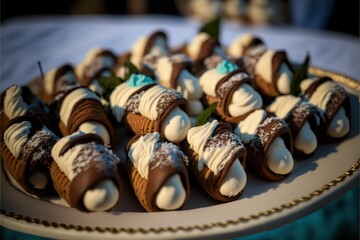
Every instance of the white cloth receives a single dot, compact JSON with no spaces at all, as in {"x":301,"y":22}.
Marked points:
{"x":57,"y":40}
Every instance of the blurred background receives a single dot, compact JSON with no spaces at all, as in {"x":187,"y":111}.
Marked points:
{"x":336,"y":15}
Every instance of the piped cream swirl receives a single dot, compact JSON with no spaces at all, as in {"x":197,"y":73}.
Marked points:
{"x":14,"y":105}
{"x":16,"y":136}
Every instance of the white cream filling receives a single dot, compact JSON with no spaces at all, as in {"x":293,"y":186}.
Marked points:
{"x":282,"y":105}
{"x":237,"y":46}
{"x":118,"y":99}
{"x":339,"y":125}
{"x":306,"y":140}
{"x":244,"y":99}
{"x":101,"y":197}
{"x":234,"y":181}
{"x":141,"y":151}
{"x":246,"y":129}
{"x":172,"y":194}
{"x":14,"y":104}
{"x":189,"y":85}
{"x":98,"y":129}
{"x":209,"y":80}
{"x":195,"y":107}
{"x":263,"y":66}
{"x":176,"y":125}
{"x":39,"y":180}
{"x":283,"y":83}
{"x":149,"y":101}
{"x":16,"y":136}
{"x":70,"y":101}
{"x":305,"y":84}
{"x":278,"y":157}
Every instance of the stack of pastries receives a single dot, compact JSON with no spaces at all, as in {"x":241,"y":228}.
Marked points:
{"x":204,"y":113}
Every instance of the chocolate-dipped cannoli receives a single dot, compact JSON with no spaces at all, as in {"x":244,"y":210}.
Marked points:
{"x":80,"y":109}
{"x":173,"y":72}
{"x":57,"y":80}
{"x":242,"y":44}
{"x":205,"y":51}
{"x":216,"y":160}
{"x":269,"y":144}
{"x":85,"y":172}
{"x":146,"y":107}
{"x":303,"y":120}
{"x":157,"y":172}
{"x":333,"y":104}
{"x":231,"y":89}
{"x":98,"y":63}
{"x":271,"y":70}
{"x":155,"y":44}
{"x":18,"y":101}
{"x":26,"y":153}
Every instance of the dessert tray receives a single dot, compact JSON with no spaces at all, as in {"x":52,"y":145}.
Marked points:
{"x":314,"y":182}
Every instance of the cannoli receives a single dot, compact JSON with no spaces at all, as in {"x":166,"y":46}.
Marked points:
{"x":17,"y":101}
{"x":98,"y":63}
{"x":205,"y":51}
{"x":155,"y":44}
{"x":57,"y":80}
{"x":80,"y":109}
{"x":173,"y":72}
{"x":146,"y":107}
{"x":333,"y":104}
{"x":216,"y":160}
{"x":303,"y":120}
{"x":157,"y":172}
{"x":85,"y":172}
{"x":271,"y":70}
{"x":269,"y":144}
{"x":231,"y":89}
{"x":26,"y":154}
{"x":242,"y":44}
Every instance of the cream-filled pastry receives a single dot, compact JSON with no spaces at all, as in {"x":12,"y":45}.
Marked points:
{"x":145,"y":107}
{"x":85,"y":172}
{"x":230,"y":88}
{"x":155,"y":43}
{"x":81,"y":109}
{"x":271,"y":70}
{"x":332,"y":103}
{"x":58,"y":80}
{"x":157,"y":172}
{"x":240,"y":45}
{"x":26,"y":153}
{"x":302,"y":118}
{"x":216,"y":160}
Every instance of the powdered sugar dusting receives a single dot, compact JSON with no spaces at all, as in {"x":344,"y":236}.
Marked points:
{"x":166,"y":99}
{"x":268,"y":128}
{"x":167,"y":154}
{"x":93,"y":154}
{"x":227,"y":85}
{"x":42,"y":141}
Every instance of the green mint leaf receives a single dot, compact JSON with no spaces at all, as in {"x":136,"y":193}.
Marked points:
{"x":299,"y":75}
{"x":132,"y":69}
{"x":212,"y":27}
{"x":205,"y":115}
{"x":108,"y":84}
